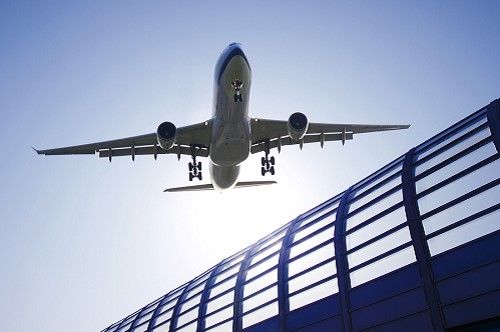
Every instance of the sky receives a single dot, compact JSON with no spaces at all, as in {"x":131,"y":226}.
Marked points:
{"x":85,"y":242}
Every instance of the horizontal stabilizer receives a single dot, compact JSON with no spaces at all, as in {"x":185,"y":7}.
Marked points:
{"x":202,"y":187}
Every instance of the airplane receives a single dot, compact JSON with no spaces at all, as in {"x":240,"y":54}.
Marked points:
{"x":229,"y":136}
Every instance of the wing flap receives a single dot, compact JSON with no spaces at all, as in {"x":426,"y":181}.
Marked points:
{"x":151,"y":150}
{"x":314,"y":138}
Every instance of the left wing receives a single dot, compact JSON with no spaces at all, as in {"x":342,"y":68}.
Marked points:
{"x":275,"y":133}
{"x":194,"y":135}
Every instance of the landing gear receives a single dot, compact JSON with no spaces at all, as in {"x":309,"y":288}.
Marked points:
{"x":267,"y":162}
{"x":194,"y":167}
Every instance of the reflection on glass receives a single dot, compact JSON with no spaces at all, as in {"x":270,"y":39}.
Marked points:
{"x":311,"y":259}
{"x":368,"y":232}
{"x":261,"y":314}
{"x":374,"y":209}
{"x":379,"y":247}
{"x":385,"y":265}
{"x":462,"y":210}
{"x":459,"y":187}
{"x":319,"y":273}
{"x":465,"y":233}
{"x":314,"y":294}
{"x":457,"y":166}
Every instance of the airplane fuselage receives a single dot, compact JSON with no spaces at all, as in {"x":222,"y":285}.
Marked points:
{"x":231,"y":140}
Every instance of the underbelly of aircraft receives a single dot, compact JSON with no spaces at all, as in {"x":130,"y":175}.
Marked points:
{"x":229,"y":151}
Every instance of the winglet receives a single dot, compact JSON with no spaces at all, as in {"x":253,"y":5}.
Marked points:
{"x":37,"y":151}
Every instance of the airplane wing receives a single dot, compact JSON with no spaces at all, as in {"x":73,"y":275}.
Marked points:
{"x":203,"y":187}
{"x":274,"y":133}
{"x":194,"y":135}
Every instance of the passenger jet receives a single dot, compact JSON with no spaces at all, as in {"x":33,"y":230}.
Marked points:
{"x":229,"y":136}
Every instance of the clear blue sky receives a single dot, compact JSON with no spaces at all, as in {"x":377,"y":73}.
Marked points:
{"x":84,"y":242}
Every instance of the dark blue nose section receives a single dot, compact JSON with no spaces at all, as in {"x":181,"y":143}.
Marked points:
{"x":234,"y":49}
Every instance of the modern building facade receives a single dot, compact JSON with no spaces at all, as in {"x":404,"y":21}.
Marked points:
{"x":413,"y":247}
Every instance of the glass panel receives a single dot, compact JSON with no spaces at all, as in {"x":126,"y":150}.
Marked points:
{"x":453,"y":150}
{"x":320,"y":273}
{"x":311,"y":259}
{"x":457,"y":166}
{"x":452,"y":137}
{"x":462,"y":210}
{"x":379,"y":247}
{"x":265,"y":296}
{"x":226,"y":273}
{"x":387,"y":222}
{"x":145,"y":317}
{"x":379,"y":176}
{"x":465,"y":233}
{"x":459,"y":187}
{"x":374,"y":209}
{"x":260,"y":283}
{"x":219,"y":317}
{"x":313,"y":227}
{"x":385,"y":265}
{"x":220,"y":302}
{"x":325,"y":207}
{"x":188,"y":328}
{"x":325,"y":235}
{"x":375,"y":194}
{"x":261,"y":314}
{"x":261,"y":267}
{"x":190,"y":303}
{"x":187,"y":317}
{"x":163,"y":328}
{"x":266,"y":252}
{"x":164,"y":317}
{"x":314,"y":294}
{"x":223,"y":287}
{"x":226,"y":327}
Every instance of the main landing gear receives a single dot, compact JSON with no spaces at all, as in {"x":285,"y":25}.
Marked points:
{"x":194,"y":167}
{"x":267,"y":163}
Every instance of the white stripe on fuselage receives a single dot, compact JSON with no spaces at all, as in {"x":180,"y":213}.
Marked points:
{"x":231,"y":139}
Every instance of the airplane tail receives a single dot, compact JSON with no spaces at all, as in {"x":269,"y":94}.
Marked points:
{"x":203,"y":187}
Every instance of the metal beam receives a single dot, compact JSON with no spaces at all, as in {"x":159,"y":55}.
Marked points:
{"x":419,"y":243}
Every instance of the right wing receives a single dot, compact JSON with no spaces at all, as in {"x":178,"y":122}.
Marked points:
{"x":194,"y":135}
{"x":274,"y":133}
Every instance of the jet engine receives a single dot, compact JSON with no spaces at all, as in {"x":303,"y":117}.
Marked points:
{"x":165,"y":134}
{"x":297,"y":126}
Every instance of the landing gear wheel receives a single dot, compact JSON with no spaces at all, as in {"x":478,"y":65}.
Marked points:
{"x":190,"y":176}
{"x":199,"y":166}
{"x":190,"y":166}
{"x":271,"y":160}
{"x":262,"y":171}
{"x":199,"y":176}
{"x":263,"y":161}
{"x":271,"y":170}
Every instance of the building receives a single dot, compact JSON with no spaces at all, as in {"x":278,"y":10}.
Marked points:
{"x":415,"y":247}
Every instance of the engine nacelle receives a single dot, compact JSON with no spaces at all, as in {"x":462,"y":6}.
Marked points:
{"x":165,"y":134}
{"x":297,"y":126}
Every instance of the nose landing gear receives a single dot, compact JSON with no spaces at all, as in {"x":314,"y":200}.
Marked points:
{"x":194,"y":167}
